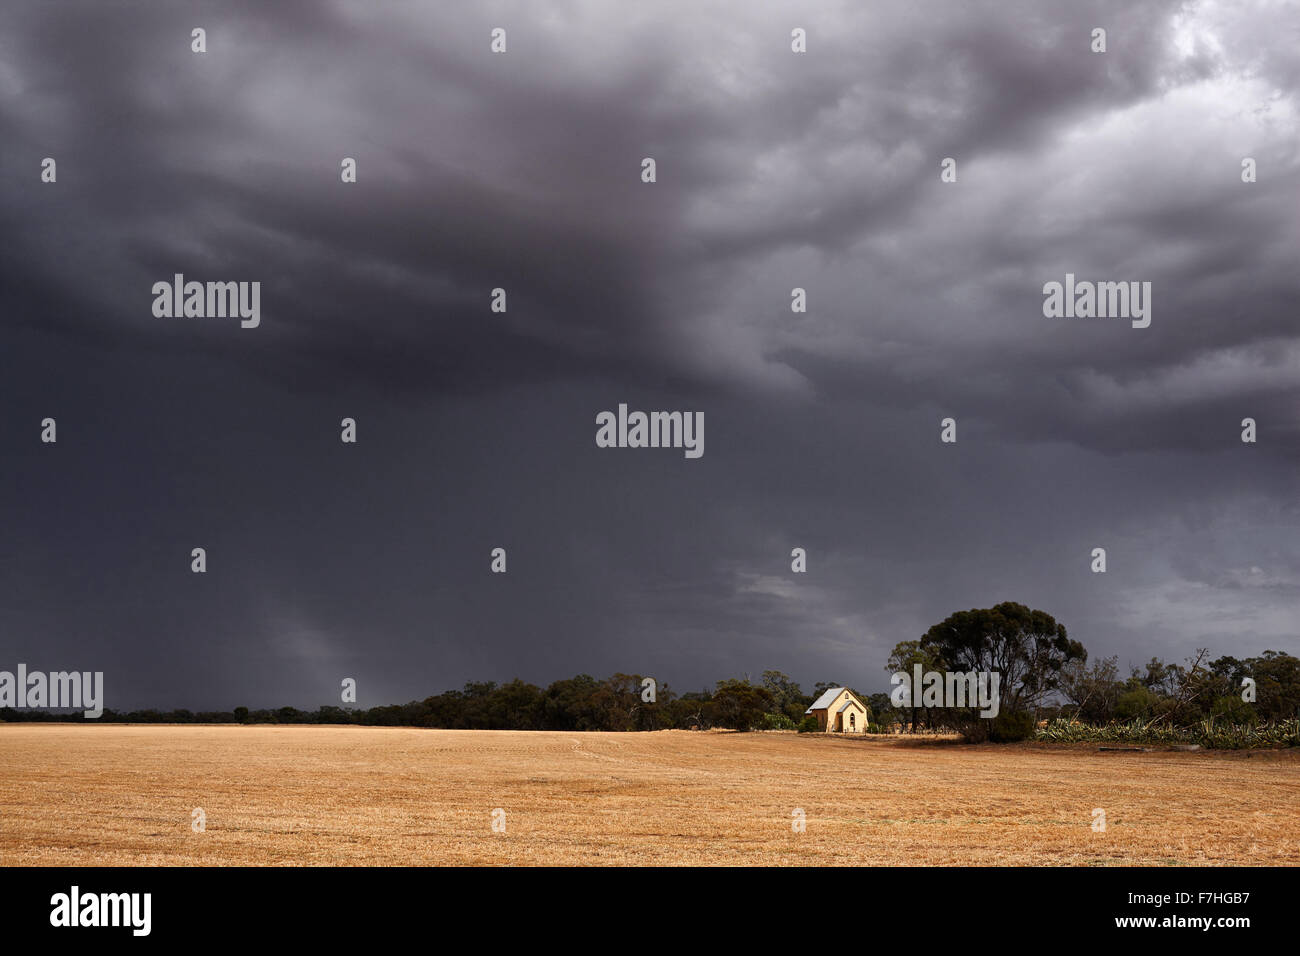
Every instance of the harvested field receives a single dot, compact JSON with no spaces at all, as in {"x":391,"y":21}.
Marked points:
{"x":123,"y":795}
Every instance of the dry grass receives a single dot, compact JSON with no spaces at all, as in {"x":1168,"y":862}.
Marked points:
{"x":122,"y":795}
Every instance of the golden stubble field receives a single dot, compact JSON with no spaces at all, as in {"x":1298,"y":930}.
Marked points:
{"x":123,"y":795}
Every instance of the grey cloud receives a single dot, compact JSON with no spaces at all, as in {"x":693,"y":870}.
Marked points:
{"x":522,"y":171}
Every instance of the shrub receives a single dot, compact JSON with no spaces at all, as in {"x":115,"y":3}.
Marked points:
{"x":808,"y":725}
{"x":1013,"y":726}
{"x":1210,"y":733}
{"x":739,"y":705}
{"x":1138,"y":702}
{"x":776,"y":722}
{"x":1233,"y":710}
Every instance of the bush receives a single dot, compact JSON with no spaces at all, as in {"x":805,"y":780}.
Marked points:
{"x":777,"y":722}
{"x":1233,"y":710}
{"x":1210,"y":733}
{"x":1007,"y":728}
{"x":808,"y":725}
{"x":739,"y":705}
{"x":1138,"y":702}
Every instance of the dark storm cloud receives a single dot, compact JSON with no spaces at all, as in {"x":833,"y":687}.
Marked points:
{"x":522,"y":171}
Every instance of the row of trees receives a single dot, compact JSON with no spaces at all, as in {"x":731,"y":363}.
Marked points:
{"x":1043,"y":673}
{"x":577,"y":703}
{"x":1182,"y":694}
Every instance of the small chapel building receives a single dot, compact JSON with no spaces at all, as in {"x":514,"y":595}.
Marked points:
{"x":839,"y":711}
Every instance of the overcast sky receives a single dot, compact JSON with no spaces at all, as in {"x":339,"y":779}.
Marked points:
{"x":477,"y":430}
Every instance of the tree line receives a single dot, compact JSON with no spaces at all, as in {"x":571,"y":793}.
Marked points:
{"x":578,"y":703}
{"x":1044,"y":674}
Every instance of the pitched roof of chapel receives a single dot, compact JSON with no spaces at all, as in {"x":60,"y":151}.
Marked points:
{"x":825,"y":700}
